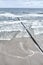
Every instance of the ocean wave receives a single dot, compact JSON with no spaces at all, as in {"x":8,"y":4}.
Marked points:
{"x":12,"y":22}
{"x":9,"y":15}
{"x":10,"y":27}
{"x":22,"y":15}
{"x":37,"y":32}
{"x":36,"y":15}
{"x":15,"y":17}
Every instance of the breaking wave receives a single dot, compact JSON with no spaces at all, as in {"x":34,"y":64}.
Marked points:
{"x":11,"y":22}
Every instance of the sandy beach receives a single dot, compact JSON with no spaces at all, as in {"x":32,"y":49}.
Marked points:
{"x":20,"y":51}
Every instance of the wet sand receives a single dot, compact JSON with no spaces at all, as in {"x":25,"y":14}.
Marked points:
{"x":38,"y":38}
{"x":20,"y":51}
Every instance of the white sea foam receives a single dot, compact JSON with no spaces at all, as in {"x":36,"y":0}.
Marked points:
{"x":41,"y":15}
{"x":5,"y":38}
{"x":11,"y":26}
{"x":12,"y":22}
{"x":37,"y":27}
{"x":10,"y":15}
{"x":37,"y":32}
{"x":23,"y":15}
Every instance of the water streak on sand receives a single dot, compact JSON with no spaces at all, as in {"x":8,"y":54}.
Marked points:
{"x":19,"y":57}
{"x":27,"y":51}
{"x":21,"y":45}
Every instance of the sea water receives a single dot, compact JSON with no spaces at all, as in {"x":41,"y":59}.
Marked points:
{"x":11,"y":18}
